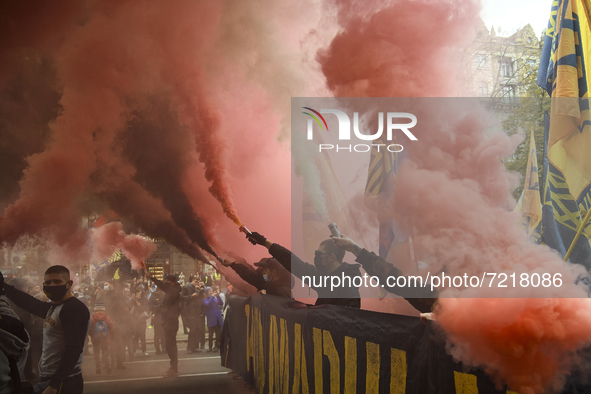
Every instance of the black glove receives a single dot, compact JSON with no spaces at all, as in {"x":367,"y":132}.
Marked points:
{"x":256,"y":238}
{"x":1,"y":283}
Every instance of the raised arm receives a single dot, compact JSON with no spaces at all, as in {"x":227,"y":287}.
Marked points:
{"x":287,"y":259}
{"x":27,"y":302}
{"x":246,"y":274}
{"x":421,"y":298}
{"x":172,"y":290}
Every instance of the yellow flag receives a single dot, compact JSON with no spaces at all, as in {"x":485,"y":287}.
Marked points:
{"x":530,"y":203}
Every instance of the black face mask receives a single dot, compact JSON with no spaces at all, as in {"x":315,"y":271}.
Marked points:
{"x":319,"y":263}
{"x":55,"y":293}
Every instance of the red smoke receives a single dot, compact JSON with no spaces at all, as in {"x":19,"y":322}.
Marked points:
{"x":114,"y":58}
{"x":457,"y":199}
{"x":400,"y":49}
{"x":523,"y":342}
{"x":110,"y":237}
{"x":453,"y":192}
{"x":151,"y":110}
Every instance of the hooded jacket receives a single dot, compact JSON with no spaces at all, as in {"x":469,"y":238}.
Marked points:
{"x":14,"y":343}
{"x":96,"y":317}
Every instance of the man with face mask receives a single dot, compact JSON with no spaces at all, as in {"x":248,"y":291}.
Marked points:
{"x":66,"y":325}
{"x":328,"y":260}
{"x":270,"y":277}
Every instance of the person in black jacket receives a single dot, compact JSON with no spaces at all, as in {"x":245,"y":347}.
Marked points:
{"x":422,"y":299}
{"x":328,"y":260}
{"x":155,"y":302}
{"x":192,"y":297}
{"x":270,"y":276}
{"x":171,"y":309}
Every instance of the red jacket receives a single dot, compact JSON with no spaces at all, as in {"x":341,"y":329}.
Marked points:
{"x":100,"y":316}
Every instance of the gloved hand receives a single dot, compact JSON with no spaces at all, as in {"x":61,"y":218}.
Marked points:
{"x":256,"y":238}
{"x":1,"y":283}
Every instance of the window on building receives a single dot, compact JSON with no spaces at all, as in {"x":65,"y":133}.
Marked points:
{"x":508,"y":93}
{"x":482,"y":89}
{"x":506,"y":67}
{"x":479,"y":61}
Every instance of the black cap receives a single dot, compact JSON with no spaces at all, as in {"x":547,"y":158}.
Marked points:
{"x":270,"y":263}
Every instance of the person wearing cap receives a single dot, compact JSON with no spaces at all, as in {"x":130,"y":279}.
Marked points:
{"x":212,"y":302}
{"x":270,"y":276}
{"x":100,"y":332}
{"x":171,"y":309}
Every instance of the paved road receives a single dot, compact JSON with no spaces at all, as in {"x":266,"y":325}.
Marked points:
{"x":198,"y":372}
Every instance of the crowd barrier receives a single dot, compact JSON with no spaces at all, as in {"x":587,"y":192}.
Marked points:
{"x":280,"y":346}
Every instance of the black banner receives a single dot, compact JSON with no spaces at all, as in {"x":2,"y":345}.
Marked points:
{"x":282,"y":346}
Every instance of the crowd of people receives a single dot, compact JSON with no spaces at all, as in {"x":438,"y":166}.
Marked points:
{"x":50,"y":326}
{"x":57,"y":321}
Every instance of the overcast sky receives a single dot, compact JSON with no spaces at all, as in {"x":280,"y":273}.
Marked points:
{"x":514,"y":14}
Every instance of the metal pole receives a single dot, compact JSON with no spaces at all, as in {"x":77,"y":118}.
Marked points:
{"x":572,"y":245}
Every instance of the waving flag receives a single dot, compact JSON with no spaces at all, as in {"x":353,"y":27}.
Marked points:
{"x":564,"y":73}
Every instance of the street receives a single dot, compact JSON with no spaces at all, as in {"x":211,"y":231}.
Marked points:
{"x":199,"y":372}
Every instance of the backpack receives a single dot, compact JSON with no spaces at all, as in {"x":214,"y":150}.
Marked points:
{"x":101,"y":331}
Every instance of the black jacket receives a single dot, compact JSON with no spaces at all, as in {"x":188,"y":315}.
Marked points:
{"x":171,"y":304}
{"x":421,"y":299}
{"x":280,"y":287}
{"x":344,"y":296}
{"x":193,"y":304}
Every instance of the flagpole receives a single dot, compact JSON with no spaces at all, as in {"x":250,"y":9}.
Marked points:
{"x":572,"y":245}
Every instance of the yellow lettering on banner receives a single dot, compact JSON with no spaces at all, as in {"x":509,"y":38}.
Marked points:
{"x":335,"y":364}
{"x":372,"y":379}
{"x":255,"y":343}
{"x":284,"y":357}
{"x":300,"y":371}
{"x":317,"y":337}
{"x":260,"y":355}
{"x":350,"y":365}
{"x":512,"y":392}
{"x":465,"y":383}
{"x":273,"y":356}
{"x":248,"y":337}
{"x":398,"y":371}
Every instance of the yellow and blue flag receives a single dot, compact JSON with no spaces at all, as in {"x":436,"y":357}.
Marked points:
{"x":530,"y":203}
{"x":381,"y":173}
{"x":116,"y":256}
{"x":564,"y":73}
{"x":395,"y":245}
